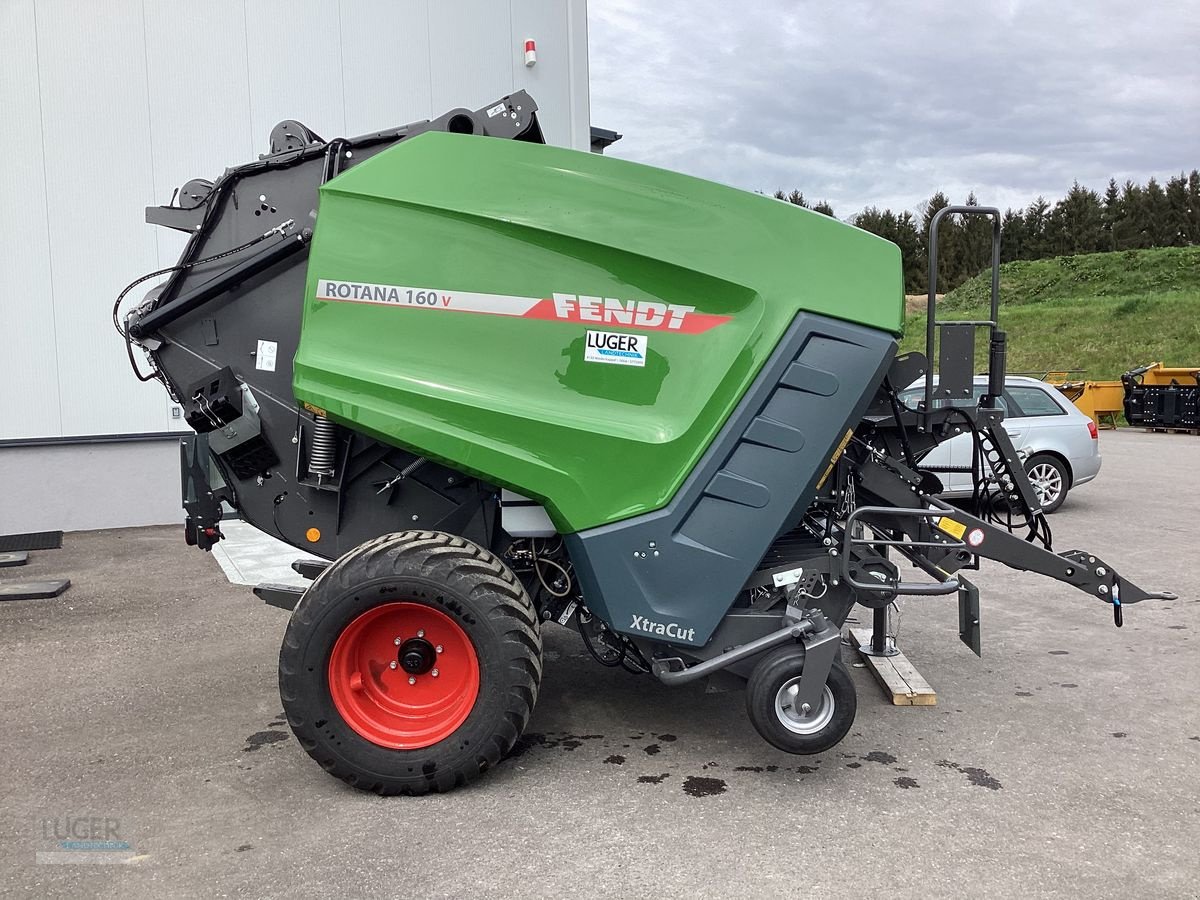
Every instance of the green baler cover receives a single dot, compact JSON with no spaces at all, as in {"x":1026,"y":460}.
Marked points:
{"x":472,"y":299}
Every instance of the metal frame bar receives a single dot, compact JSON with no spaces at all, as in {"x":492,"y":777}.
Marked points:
{"x":915,"y":589}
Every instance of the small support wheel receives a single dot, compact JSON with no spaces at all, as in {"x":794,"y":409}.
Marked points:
{"x":770,"y":703}
{"x":412,"y":664}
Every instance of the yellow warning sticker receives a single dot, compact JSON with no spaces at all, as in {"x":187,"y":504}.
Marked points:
{"x":315,"y":410}
{"x":951,"y":527}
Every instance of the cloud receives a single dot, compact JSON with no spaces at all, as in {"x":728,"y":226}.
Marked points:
{"x":883,"y":103}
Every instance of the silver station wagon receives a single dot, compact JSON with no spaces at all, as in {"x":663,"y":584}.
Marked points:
{"x":1059,"y":443}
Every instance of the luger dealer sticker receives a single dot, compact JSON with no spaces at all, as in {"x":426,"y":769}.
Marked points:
{"x":615,"y":348}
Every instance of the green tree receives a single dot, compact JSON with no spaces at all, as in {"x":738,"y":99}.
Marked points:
{"x":824,"y":209}
{"x":1178,"y":220}
{"x":1012,"y":235}
{"x":794,"y":196}
{"x":1158,"y":226}
{"x":1111,"y":216}
{"x":976,"y":242}
{"x":949,"y":242}
{"x":1193,"y":199}
{"x":1037,"y":241}
{"x":908,"y":239}
{"x":1076,"y":223}
{"x":1131,"y":229}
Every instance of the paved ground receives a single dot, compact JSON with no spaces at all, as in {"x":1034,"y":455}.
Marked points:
{"x":1066,"y":762}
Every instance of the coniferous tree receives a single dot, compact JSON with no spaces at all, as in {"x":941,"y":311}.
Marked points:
{"x":977,"y":242}
{"x":1178,"y":226}
{"x":1037,"y":243}
{"x":908,"y":239}
{"x":1012,"y":235}
{"x":1193,"y":199}
{"x":1075,"y":224}
{"x":1132,"y":227}
{"x":796,"y":197}
{"x":1111,"y":215}
{"x":948,"y":241}
{"x":1127,"y":217}
{"x":1158,"y":228}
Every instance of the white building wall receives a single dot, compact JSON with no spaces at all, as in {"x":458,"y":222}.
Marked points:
{"x":110,"y":106}
{"x":113,"y":105}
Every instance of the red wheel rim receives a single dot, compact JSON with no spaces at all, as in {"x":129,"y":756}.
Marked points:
{"x":373,"y":692}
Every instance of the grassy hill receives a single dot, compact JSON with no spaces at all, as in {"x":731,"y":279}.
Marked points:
{"x":1104,"y":312}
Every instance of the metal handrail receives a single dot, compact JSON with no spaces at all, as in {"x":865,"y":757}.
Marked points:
{"x":931,"y":322}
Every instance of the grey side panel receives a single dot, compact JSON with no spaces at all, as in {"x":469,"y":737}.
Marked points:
{"x":681,"y":567}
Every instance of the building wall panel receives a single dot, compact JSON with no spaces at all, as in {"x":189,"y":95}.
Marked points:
{"x":29,"y":390}
{"x":95,"y":115}
{"x":118,"y":104}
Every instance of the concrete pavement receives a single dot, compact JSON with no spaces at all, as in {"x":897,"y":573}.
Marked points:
{"x":1066,"y":762}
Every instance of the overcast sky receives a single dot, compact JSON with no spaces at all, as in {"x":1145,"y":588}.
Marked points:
{"x":882,"y":103}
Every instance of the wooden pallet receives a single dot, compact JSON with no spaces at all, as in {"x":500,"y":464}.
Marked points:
{"x":898,"y":677}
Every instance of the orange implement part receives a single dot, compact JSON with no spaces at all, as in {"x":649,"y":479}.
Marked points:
{"x":1157,"y":373}
{"x":1098,"y":399}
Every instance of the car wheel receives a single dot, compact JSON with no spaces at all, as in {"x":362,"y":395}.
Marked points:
{"x":1050,"y":480}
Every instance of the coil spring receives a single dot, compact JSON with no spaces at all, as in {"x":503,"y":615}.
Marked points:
{"x":323,"y":457}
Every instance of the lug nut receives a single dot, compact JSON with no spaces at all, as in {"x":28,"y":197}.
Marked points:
{"x":412,"y":679}
{"x":393,"y":664}
{"x":397,"y":641}
{"x":421,"y":633}
{"x":434,"y":673}
{"x":438,"y":648}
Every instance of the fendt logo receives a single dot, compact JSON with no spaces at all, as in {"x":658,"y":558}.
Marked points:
{"x":648,"y":314}
{"x":635,"y":313}
{"x":670,"y":629}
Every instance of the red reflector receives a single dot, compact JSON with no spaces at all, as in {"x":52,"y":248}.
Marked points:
{"x":1092,"y":430}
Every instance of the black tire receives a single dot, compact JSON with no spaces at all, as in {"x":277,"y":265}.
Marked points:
{"x":771,"y":675}
{"x":456,"y":579}
{"x":1044,"y":463}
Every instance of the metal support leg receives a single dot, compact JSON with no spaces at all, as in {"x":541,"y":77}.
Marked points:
{"x":881,"y":644}
{"x":821,"y":648}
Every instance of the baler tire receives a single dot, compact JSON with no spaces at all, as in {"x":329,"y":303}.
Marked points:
{"x":828,"y":726}
{"x":345,"y":700}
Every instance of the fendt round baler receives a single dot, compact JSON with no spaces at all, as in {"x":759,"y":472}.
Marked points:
{"x":497,"y":384}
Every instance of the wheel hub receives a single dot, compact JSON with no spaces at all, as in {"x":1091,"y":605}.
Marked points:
{"x":416,"y":656}
{"x":799,"y":718}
